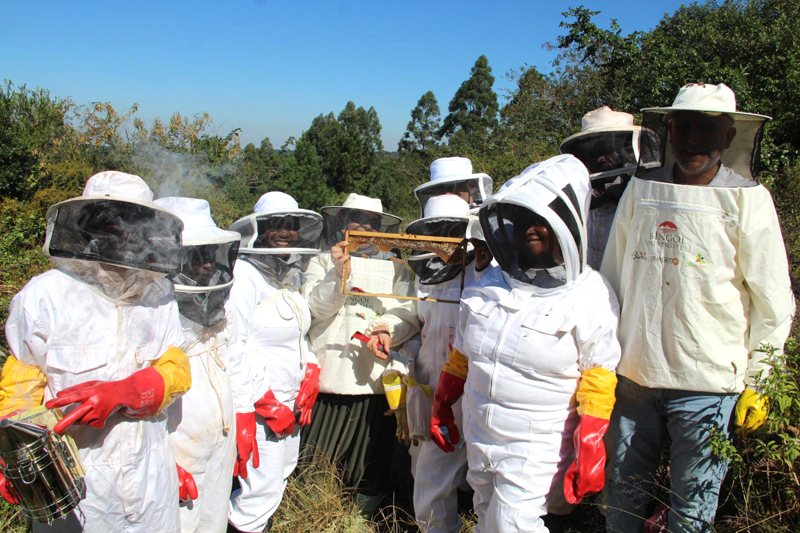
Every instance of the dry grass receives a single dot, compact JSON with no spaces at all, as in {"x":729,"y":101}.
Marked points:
{"x":12,"y":520}
{"x":317,"y":500}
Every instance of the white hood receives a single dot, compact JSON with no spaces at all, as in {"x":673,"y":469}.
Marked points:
{"x":557,"y":190}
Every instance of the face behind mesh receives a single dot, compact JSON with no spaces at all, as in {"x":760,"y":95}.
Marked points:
{"x":429,"y":268}
{"x":117,"y":232}
{"x":207,"y":265}
{"x":356,"y":220}
{"x":301,"y":230}
{"x":468,"y":189}
{"x":507,"y":224}
{"x":603,"y":152}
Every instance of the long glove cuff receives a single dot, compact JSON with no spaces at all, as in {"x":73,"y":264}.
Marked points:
{"x":394,"y":388}
{"x":595,"y":393}
{"x":457,"y":364}
{"x":449,"y":389}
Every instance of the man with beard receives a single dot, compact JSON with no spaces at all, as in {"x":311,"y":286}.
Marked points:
{"x":698,"y":263}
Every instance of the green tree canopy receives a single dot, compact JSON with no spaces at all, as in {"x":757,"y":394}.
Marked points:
{"x":473,"y":109}
{"x":421,"y":132}
{"x":752,"y":46}
{"x":349,"y":146}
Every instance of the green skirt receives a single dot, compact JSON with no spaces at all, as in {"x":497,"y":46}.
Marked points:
{"x":353,"y":431}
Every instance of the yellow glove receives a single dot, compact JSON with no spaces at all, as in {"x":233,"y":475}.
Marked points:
{"x":457,"y":364}
{"x":596,"y":393}
{"x":751,"y":411}
{"x":395,"y":391}
{"x":176,"y":370}
{"x":21,"y":387}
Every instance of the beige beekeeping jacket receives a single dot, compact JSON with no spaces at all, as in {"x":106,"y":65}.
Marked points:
{"x":347,"y":366}
{"x":703,"y":281}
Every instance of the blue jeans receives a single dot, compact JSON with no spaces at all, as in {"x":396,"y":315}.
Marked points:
{"x":641,"y":420}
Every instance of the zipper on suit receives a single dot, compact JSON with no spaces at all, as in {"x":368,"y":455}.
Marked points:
{"x":500,"y":341}
{"x":709,"y":211}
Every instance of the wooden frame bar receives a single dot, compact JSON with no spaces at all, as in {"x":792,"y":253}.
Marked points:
{"x":449,"y":249}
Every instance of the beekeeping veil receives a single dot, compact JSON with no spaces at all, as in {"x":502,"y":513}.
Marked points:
{"x":742,"y":156}
{"x":446,"y":215}
{"x":279,"y":237}
{"x":555,"y":192}
{"x":608,"y":145}
{"x":209,"y":253}
{"x":453,"y":175}
{"x":360,"y":213}
{"x":113,"y":237}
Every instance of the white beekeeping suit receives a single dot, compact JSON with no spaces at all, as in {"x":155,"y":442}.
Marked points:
{"x":201,"y":423}
{"x":107,"y":313}
{"x":270,"y":355}
{"x":536,"y":345}
{"x":437,"y":475}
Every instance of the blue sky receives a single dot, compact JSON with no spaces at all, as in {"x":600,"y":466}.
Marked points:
{"x":270,"y":67}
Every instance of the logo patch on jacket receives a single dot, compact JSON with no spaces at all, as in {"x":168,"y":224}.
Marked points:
{"x":667,"y":236}
{"x":699,"y":262}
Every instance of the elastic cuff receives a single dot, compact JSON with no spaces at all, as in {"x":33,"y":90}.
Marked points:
{"x":379,"y":325}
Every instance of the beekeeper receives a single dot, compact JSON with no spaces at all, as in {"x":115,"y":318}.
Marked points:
{"x":100,"y":336}
{"x":534,"y":354}
{"x":453,"y":175}
{"x":608,"y":144}
{"x":697,"y":259}
{"x":201,"y":423}
{"x":274,"y":373}
{"x":437,"y":475}
{"x":349,"y":423}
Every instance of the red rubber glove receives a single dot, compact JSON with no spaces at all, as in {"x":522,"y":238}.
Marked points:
{"x":278,"y":417}
{"x":187,"y":488}
{"x":245,"y":443}
{"x":138,"y":396}
{"x":448,"y":391}
{"x":309,"y":389}
{"x":7,"y":491}
{"x":586,"y":475}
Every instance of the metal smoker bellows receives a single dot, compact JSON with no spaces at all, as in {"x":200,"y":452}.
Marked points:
{"x":42,"y":471}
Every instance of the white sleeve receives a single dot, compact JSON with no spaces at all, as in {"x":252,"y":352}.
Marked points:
{"x":597,"y":338}
{"x":762,"y":257}
{"x":245,"y":381}
{"x":322,"y":288}
{"x":175,"y":337}
{"x":311,"y":358}
{"x":26,"y":335}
